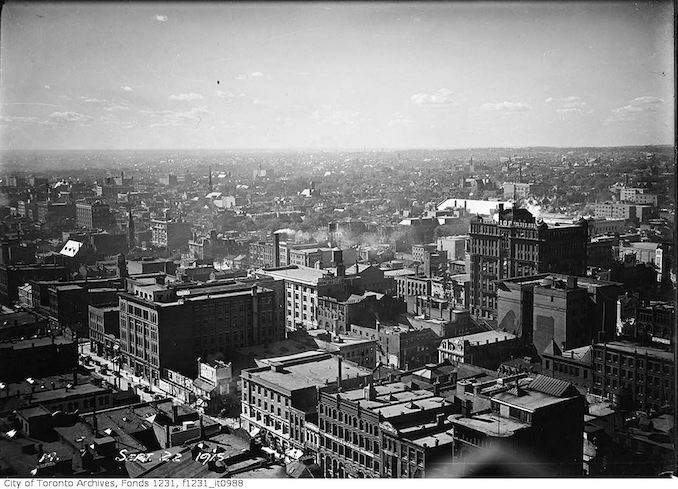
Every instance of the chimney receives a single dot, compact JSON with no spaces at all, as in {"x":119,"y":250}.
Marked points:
{"x":571,"y":282}
{"x":468,"y":408}
{"x":440,"y":419}
{"x":276,"y":250}
{"x":175,"y":413}
{"x":339,"y":360}
{"x":75,"y":377}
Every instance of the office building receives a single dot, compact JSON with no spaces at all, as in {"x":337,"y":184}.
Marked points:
{"x":573,"y":311}
{"x":516,"y":245}
{"x":96,"y":215}
{"x":163,"y":327}
{"x":279,"y":397}
{"x":645,"y":372}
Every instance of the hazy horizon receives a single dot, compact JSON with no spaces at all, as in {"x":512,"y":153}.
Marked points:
{"x":336,"y":76}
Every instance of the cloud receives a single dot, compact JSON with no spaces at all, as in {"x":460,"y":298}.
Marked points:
{"x":93,"y":100}
{"x":187,"y":96}
{"x":69,"y":117}
{"x":173,"y":118}
{"x":569,"y":105}
{"x":398,"y":119}
{"x":641,"y":104}
{"x":224,"y":94}
{"x":161,"y":18}
{"x":505,"y":107}
{"x":126,"y":88}
{"x":241,"y":76}
{"x":18,"y":119}
{"x":336,"y":116}
{"x":443,"y":96}
{"x":47,"y":87}
{"x":636,"y":108}
{"x":256,"y":74}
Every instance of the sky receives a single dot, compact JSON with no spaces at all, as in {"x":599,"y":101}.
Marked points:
{"x":332,"y":75}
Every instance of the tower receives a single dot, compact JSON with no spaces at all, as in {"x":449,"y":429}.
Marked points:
{"x":210,"y":178}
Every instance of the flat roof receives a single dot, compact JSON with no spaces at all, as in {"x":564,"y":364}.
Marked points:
{"x":631,"y":347}
{"x":35,"y":342}
{"x":76,"y":390}
{"x":490,"y":424}
{"x":530,"y":400}
{"x":309,"y":374}
{"x":484,"y":337}
{"x":305,"y":275}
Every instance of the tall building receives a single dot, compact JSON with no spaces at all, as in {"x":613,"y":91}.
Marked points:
{"x":572,"y":311}
{"x":163,"y":327}
{"x":516,"y":245}
{"x":170,"y":233}
{"x":96,"y":215}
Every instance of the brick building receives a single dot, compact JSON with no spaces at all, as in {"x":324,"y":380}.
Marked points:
{"x":515,"y":246}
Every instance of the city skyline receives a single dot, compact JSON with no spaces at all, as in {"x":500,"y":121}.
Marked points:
{"x":319,"y":76}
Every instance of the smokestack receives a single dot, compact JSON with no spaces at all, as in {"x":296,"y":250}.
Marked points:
{"x":276,"y":250}
{"x":339,"y":360}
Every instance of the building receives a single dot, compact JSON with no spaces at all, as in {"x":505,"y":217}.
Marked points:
{"x":151,"y":265}
{"x":516,"y":245}
{"x":656,"y":254}
{"x":574,"y":366}
{"x":572,"y":311}
{"x":622,"y":210}
{"x":654,"y":325}
{"x":337,"y":314}
{"x":15,"y":251}
{"x":169,"y":328}
{"x":110,"y":187}
{"x":104,"y":330}
{"x":637,"y":195}
{"x":390,"y":430}
{"x":279,"y":398}
{"x":55,"y":214}
{"x":303,"y":286}
{"x":455,"y":246}
{"x":37,"y":357}
{"x":646,"y":372}
{"x":14,"y":276}
{"x":170,"y":233}
{"x":486,"y":349}
{"x":96,"y":215}
{"x":516,"y":190}
{"x":361,"y":351}
{"x":540,"y":420}
{"x":16,"y":325}
{"x":483,"y":207}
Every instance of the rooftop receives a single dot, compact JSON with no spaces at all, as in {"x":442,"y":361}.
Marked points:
{"x":485,"y":337}
{"x":490,"y":424}
{"x":635,"y":348}
{"x":308,"y":374}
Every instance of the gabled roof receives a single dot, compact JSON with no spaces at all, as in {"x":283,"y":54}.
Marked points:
{"x":71,"y":248}
{"x":553,"y":387}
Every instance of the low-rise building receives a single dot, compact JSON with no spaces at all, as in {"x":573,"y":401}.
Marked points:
{"x":278,"y":399}
{"x":487,"y":349}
